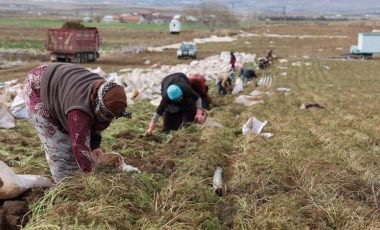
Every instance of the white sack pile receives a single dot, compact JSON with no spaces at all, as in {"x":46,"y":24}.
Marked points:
{"x":145,"y":84}
{"x":9,"y":90}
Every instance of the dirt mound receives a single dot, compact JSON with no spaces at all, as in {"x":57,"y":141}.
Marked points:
{"x":73,"y":25}
{"x":12,"y":214}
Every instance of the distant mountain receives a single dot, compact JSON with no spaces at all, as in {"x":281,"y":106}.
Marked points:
{"x":248,"y":6}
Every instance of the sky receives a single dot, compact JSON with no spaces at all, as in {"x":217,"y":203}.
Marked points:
{"x":288,"y":6}
{"x":308,"y":5}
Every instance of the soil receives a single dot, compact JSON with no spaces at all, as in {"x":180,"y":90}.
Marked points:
{"x":14,"y":213}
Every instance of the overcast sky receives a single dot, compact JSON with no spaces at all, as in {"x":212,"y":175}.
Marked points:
{"x":309,"y":5}
{"x":252,"y":5}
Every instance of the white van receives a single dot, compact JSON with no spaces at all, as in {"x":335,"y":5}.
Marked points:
{"x":175,"y":26}
{"x":108,"y":18}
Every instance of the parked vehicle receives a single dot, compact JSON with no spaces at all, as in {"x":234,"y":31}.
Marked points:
{"x":368,"y":45}
{"x":87,"y":19}
{"x":175,"y":26}
{"x":187,"y":50}
{"x":73,"y":45}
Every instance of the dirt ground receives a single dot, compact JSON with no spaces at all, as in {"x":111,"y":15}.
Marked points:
{"x":14,"y":212}
{"x":331,"y":40}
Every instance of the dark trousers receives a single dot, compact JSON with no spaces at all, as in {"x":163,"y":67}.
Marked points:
{"x":175,"y":121}
{"x":221,"y":89}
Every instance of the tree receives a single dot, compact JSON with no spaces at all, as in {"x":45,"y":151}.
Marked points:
{"x":212,"y":14}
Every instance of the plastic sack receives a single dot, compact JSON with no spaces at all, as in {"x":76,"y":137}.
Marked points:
{"x":208,"y":122}
{"x":13,"y":185}
{"x":113,"y":158}
{"x":248,"y":100}
{"x":18,"y":108}
{"x":253,"y":126}
{"x":211,"y":123}
{"x":238,"y":87}
{"x":7,"y":121}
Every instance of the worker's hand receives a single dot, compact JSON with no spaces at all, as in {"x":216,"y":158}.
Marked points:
{"x":97,"y":154}
{"x":150,"y":129}
{"x":148,"y":132}
{"x":199,"y":117}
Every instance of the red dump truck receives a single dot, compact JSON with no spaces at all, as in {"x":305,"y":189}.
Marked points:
{"x":73,"y":45}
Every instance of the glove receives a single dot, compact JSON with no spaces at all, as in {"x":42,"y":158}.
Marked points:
{"x":199,"y":118}
{"x":150,"y":129}
{"x":97,"y":155}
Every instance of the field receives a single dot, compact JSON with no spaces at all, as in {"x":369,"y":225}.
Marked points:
{"x":320,"y":170}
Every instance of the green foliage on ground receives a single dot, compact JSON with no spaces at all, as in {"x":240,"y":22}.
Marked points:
{"x":318,"y":171}
{"x":35,"y":22}
{"x":22,"y":45}
{"x":26,"y":34}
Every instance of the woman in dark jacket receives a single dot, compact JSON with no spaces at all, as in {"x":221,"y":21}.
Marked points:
{"x":69,"y":106}
{"x":179,"y":104}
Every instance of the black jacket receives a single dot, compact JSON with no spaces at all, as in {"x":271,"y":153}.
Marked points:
{"x":188,"y":97}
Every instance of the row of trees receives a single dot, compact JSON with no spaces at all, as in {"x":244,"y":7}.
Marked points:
{"x":212,"y":14}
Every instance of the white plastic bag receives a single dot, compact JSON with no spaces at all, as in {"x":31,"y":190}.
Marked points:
{"x":18,"y":108}
{"x":253,"y":126}
{"x":7,"y":121}
{"x":114,"y":158}
{"x":238,"y":87}
{"x":248,"y":100}
{"x":13,"y":185}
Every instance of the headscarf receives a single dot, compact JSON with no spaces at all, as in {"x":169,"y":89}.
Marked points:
{"x":110,"y":100}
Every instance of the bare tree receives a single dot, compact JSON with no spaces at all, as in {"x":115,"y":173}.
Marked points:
{"x":212,"y":14}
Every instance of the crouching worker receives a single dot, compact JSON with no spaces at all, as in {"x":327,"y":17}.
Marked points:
{"x":246,"y":74}
{"x":224,"y":82}
{"x":179,"y":105}
{"x":69,"y":106}
{"x":199,"y":85}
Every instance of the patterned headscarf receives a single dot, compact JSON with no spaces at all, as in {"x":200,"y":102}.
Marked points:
{"x":112,"y":103}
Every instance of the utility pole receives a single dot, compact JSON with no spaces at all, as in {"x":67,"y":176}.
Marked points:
{"x":284,"y":13}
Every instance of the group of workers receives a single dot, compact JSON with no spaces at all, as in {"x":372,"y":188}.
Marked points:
{"x":266,"y":61}
{"x":69,"y":106}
